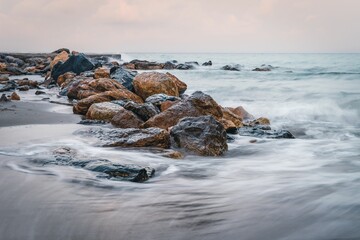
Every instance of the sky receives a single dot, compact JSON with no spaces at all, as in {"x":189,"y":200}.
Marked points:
{"x":223,"y":26}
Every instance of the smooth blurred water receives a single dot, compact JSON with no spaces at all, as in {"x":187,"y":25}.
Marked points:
{"x":306,"y":188}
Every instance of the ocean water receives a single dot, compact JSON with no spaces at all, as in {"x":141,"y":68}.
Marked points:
{"x":296,"y":189}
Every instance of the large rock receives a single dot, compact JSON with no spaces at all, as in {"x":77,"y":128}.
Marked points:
{"x":198,"y":104}
{"x":144,"y":111}
{"x":76,"y":63}
{"x":241,"y":112}
{"x":150,"y":83}
{"x":102,"y":72}
{"x":63,"y":56}
{"x":123,"y":76}
{"x":103,"y":111}
{"x":143,"y":65}
{"x":180,"y":84}
{"x":201,"y":135}
{"x":126,"y":119}
{"x":82,"y":106}
{"x":129,"y":137}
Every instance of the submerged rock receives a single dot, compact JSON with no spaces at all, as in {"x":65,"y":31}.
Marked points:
{"x":129,"y":137}
{"x":201,"y":135}
{"x":265,"y":132}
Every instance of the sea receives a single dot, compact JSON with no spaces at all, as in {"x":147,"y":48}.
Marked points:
{"x":307,"y":188}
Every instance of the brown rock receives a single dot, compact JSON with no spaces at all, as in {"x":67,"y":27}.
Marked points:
{"x":63,"y":56}
{"x":229,"y":126}
{"x":126,"y":119}
{"x":15,"y":96}
{"x":167,"y":104}
{"x":2,"y":66}
{"x":26,"y":82}
{"x":103,"y":111}
{"x":230,"y":116}
{"x":130,"y":66}
{"x":259,"y":121}
{"x":198,"y":104}
{"x":241,"y":112}
{"x":181,"y":85}
{"x":82,"y":106}
{"x":172,"y":154}
{"x":102,"y":73}
{"x":150,"y":83}
{"x":64,"y":77}
{"x":30,"y":69}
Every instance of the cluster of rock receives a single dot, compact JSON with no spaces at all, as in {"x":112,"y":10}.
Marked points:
{"x":169,"y":65}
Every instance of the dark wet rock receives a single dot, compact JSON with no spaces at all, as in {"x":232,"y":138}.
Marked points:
{"x":17,"y":61}
{"x":235,"y":67}
{"x":23,"y":88}
{"x":129,"y":137}
{"x":169,"y":65}
{"x":76,"y":63}
{"x":61,"y":50}
{"x":126,"y":119}
{"x":158,"y":99}
{"x":103,"y":111}
{"x":264,"y":132}
{"x":88,"y":74}
{"x":208,"y":63}
{"x":263,"y":68}
{"x":198,"y":104}
{"x":66,"y":156}
{"x":192,"y":63}
{"x":144,"y":111}
{"x":92,"y":122}
{"x":150,"y":83}
{"x":64,"y":79}
{"x":201,"y":135}
{"x":182,"y":66}
{"x":38,"y":92}
{"x":10,"y":86}
{"x":14,"y":70}
{"x":3,"y":98}
{"x":123,"y":76}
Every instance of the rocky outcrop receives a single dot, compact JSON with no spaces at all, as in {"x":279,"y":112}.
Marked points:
{"x":75,"y":63}
{"x":143,"y":65}
{"x":150,"y":83}
{"x":102,"y":111}
{"x":126,"y":119}
{"x":82,"y":106}
{"x":235,"y":67}
{"x":198,"y":104}
{"x":208,"y":63}
{"x":123,"y":76}
{"x":263,"y":68}
{"x":201,"y":135}
{"x":129,"y":137}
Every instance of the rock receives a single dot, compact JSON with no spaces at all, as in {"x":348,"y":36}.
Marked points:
{"x":102,"y":111}
{"x":144,"y":111}
{"x":62,"y":50}
{"x":202,"y":135}
{"x":129,"y":137}
{"x":230,"y":116}
{"x":92,"y":122}
{"x":26,"y":82}
{"x":158,"y":99}
{"x":4,"y":78}
{"x":172,"y":154}
{"x":259,"y":121}
{"x":23,"y":88}
{"x":102,"y":73}
{"x":150,"y":83}
{"x":10,"y":86}
{"x":229,"y":126}
{"x":61,"y":57}
{"x":82,"y":106}
{"x":14,"y":70}
{"x":209,"y":63}
{"x":123,"y":76}
{"x":169,"y":65}
{"x":198,"y":104}
{"x":38,"y":92}
{"x":263,"y":68}
{"x":3,"y":98}
{"x":144,"y":65}
{"x":264,"y":132}
{"x":192,"y":63}
{"x":2,"y":67}
{"x":235,"y":67}
{"x":76,"y":63}
{"x":167,"y":104}
{"x":181,"y":85}
{"x":16,"y":61}
{"x":241,"y":112}
{"x":65,"y":77}
{"x":182,"y":66}
{"x":15,"y":96}
{"x":126,"y":119}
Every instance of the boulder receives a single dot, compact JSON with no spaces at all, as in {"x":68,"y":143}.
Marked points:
{"x":129,"y":137}
{"x":102,"y":73}
{"x":202,"y":135}
{"x":10,"y":86}
{"x":144,"y":111}
{"x":180,"y":84}
{"x":150,"y":83}
{"x":61,"y":57}
{"x":102,"y":111}
{"x":235,"y":67}
{"x":82,"y":106}
{"x":264,"y":132}
{"x":38,"y":92}
{"x":198,"y":104}
{"x":209,"y":63}
{"x":123,"y":76}
{"x":230,"y":116}
{"x":64,"y":78}
{"x":75,"y":63}
{"x":126,"y":119}
{"x":241,"y":112}
{"x":158,"y":99}
{"x":15,"y":96}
